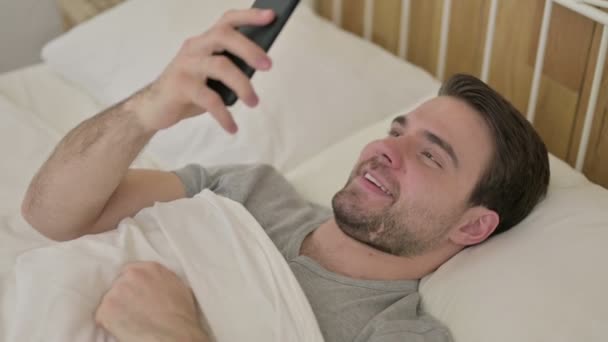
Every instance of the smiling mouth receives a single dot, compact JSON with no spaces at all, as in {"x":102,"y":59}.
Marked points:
{"x":374,"y":181}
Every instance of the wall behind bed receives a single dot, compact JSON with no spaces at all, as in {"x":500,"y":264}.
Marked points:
{"x":567,"y":74}
{"x":25,"y":26}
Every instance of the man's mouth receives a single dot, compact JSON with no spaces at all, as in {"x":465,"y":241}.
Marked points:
{"x":377,"y":183}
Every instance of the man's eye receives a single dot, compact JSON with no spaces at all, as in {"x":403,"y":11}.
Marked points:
{"x":429,"y":156}
{"x":393,"y":133}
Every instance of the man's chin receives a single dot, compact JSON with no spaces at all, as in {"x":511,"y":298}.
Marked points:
{"x":359,"y":204}
{"x":352,"y":216}
{"x":363,"y":234}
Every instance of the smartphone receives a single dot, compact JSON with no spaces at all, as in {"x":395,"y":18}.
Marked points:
{"x":263,"y":36}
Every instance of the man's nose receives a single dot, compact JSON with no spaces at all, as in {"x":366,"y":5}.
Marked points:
{"x":390,"y":153}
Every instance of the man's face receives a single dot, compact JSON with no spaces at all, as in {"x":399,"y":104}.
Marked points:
{"x":410,"y":189}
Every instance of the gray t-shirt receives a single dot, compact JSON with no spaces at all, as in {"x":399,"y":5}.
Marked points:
{"x":346,"y":309}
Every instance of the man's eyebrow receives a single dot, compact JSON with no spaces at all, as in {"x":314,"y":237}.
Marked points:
{"x":434,"y":139}
{"x":444,"y":145}
{"x":401,"y":120}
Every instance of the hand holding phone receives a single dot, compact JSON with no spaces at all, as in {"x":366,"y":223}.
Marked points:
{"x":263,"y":36}
{"x":181,"y":90}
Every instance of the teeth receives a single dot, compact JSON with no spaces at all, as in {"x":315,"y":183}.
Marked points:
{"x":372,"y":179}
{"x":375,"y":181}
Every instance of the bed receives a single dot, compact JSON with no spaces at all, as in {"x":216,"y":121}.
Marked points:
{"x":544,"y":280}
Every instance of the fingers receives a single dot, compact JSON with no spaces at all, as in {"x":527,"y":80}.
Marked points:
{"x":133,"y":293}
{"x":232,"y":41}
{"x":210,"y":100}
{"x":222,"y":69}
{"x":224,"y":37}
{"x":143,"y":265}
{"x":143,"y":270}
{"x":239,"y":45}
{"x":186,"y":77}
{"x":251,"y":16}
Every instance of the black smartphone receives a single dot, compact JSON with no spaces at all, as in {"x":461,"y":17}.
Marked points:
{"x":263,"y":36}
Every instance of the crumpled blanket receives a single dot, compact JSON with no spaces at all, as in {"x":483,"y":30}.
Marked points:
{"x":242,"y":283}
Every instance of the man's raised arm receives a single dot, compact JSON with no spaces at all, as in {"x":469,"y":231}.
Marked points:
{"x":86,"y":185}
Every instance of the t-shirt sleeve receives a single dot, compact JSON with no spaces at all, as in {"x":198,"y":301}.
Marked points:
{"x":262,"y":190}
{"x":237,"y":182}
{"x":194,"y":177}
{"x":403,"y":335}
{"x":420,"y":329}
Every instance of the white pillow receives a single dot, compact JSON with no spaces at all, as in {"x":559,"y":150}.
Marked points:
{"x":544,"y":280}
{"x":324,"y":81}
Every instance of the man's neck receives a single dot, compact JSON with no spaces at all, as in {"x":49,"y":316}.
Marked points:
{"x":339,"y":253}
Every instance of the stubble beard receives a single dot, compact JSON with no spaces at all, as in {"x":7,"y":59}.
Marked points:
{"x":389,"y":229}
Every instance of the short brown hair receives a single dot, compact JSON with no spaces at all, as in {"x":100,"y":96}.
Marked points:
{"x":518,"y":174}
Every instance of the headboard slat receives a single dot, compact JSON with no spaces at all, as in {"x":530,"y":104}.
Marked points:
{"x":336,"y":12}
{"x":489,"y":43}
{"x":404,"y":25}
{"x":368,"y":19}
{"x":595,"y":87}
{"x":443,"y":39}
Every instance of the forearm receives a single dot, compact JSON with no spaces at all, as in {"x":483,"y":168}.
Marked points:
{"x":71,"y":190}
{"x":72,"y":187}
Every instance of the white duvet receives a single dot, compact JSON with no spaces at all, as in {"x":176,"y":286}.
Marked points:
{"x":244,"y":286}
{"x":49,"y":291}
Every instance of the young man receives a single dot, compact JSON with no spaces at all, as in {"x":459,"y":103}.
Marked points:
{"x":456,"y":170}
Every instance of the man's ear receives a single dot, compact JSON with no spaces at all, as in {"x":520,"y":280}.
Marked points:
{"x":478,"y":223}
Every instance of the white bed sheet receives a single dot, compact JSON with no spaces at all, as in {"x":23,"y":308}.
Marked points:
{"x":40,"y":91}
{"x":222,"y":264}
{"x":37,"y":108}
{"x":26,"y":140}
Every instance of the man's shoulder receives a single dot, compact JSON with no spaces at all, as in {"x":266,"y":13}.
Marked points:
{"x":210,"y":174}
{"x":257,"y":169}
{"x":404,"y":321}
{"x":421,"y":329}
{"x":227,"y":179}
{"x":254,"y":174}
{"x":235,"y":167}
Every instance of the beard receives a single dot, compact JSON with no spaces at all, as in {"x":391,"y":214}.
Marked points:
{"x":400,"y":229}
